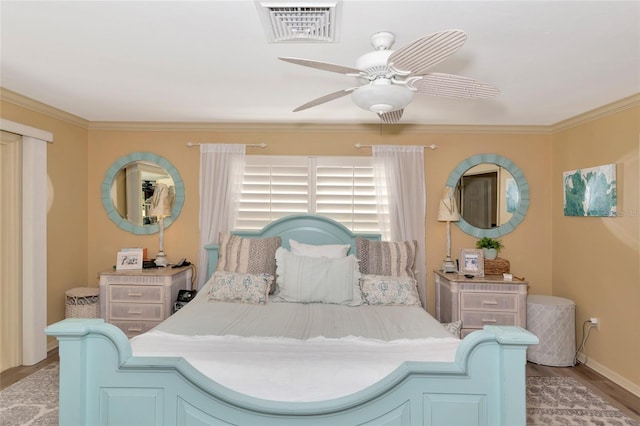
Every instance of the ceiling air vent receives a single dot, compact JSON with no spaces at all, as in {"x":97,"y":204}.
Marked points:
{"x":297,"y":21}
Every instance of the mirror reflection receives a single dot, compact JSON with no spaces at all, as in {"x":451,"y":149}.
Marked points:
{"x":132,"y":190}
{"x":474,"y":179}
{"x":129,"y":183}
{"x":487,"y":196}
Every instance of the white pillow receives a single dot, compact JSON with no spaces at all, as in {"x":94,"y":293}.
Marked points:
{"x":332,"y":251}
{"x":307,"y":279}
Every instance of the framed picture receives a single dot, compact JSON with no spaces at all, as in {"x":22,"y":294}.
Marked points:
{"x":591,"y":191}
{"x":129,"y":260}
{"x":471,"y":262}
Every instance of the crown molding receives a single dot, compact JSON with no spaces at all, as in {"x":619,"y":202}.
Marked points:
{"x":597,"y":113}
{"x":310,"y":127}
{"x":37,"y":106}
{"x":377,"y":128}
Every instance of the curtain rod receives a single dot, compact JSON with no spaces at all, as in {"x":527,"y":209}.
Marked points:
{"x":256,"y":145}
{"x":432,"y":146}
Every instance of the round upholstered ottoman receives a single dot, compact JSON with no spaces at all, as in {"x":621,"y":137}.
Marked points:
{"x":552,"y":319}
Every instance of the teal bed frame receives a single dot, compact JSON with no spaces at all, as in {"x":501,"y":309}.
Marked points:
{"x":102,"y":383}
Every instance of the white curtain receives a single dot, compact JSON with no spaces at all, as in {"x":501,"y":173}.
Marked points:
{"x":221,"y":172}
{"x":400,"y":187}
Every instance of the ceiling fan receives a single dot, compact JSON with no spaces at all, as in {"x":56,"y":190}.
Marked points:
{"x":391,"y":78}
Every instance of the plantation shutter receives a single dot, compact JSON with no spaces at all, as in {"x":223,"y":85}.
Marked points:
{"x":273,"y":187}
{"x":345,"y":192}
{"x":341,"y":188}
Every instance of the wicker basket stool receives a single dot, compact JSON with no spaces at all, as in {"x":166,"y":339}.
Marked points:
{"x":82,"y":302}
{"x":552,"y":319}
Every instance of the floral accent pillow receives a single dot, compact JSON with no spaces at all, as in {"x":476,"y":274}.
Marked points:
{"x":388,"y":290}
{"x":453,"y":327}
{"x":239,"y":287}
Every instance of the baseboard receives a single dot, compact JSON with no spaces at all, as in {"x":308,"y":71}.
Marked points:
{"x":52,"y":345}
{"x":611,"y":375}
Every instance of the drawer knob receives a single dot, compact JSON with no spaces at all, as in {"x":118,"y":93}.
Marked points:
{"x":134,"y":294}
{"x":134,"y":329}
{"x":134,"y":312}
{"x":489,"y":302}
{"x":484,"y":320}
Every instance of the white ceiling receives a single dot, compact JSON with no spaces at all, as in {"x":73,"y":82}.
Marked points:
{"x":210,"y":61}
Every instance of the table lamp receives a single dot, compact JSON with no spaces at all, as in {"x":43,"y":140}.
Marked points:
{"x":448,"y":212}
{"x":161,"y":207}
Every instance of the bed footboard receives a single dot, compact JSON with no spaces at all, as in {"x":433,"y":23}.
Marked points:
{"x":101,"y":383}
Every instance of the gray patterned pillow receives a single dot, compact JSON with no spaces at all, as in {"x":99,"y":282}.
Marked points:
{"x":248,"y":255}
{"x":241,"y":288}
{"x":391,"y":258}
{"x":386,"y":290}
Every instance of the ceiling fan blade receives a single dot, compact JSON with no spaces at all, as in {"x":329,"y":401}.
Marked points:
{"x":392,"y":117}
{"x":454,"y":86}
{"x":325,"y":66}
{"x":425,"y":52}
{"x":325,"y":98}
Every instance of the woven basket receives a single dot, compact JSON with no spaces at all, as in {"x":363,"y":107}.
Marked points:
{"x":82,"y":302}
{"x":497,"y":266}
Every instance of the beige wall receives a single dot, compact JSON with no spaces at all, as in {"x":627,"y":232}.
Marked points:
{"x":528,"y":248}
{"x":596,"y":261}
{"x":67,"y":230}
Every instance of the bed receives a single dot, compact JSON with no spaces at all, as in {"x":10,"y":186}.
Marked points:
{"x":218,"y":362}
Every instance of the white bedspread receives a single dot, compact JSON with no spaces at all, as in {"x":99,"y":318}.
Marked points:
{"x":320,"y":351}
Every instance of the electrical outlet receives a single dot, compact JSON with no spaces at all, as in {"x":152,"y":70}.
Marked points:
{"x":595,"y":322}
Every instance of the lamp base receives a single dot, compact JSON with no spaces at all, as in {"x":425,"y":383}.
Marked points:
{"x":161,"y":260}
{"x":449,"y":266}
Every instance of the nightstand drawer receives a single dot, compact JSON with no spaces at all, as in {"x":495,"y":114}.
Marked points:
{"x":489,"y":302}
{"x":142,"y":311}
{"x":474,"y":319}
{"x":133,"y":328}
{"x":137,"y":293}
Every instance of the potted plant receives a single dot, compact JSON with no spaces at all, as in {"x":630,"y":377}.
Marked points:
{"x":490,"y":247}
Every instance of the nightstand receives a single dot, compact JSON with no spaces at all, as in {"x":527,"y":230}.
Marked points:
{"x":480,"y":301}
{"x":138,"y":300}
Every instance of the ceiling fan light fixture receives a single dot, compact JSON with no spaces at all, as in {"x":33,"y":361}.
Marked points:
{"x":382,"y":97}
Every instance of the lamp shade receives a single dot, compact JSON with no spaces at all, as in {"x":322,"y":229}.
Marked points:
{"x":448,"y":210}
{"x":161,"y":201}
{"x":381,"y":96}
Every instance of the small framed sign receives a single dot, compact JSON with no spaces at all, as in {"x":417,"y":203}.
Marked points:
{"x":129,"y":260}
{"x":471,"y":262}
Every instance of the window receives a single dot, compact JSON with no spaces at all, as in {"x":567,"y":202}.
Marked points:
{"x":341,"y":188}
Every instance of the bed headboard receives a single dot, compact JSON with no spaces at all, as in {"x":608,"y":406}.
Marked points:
{"x":307,"y":229}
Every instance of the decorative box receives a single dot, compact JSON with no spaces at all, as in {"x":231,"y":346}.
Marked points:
{"x":497,"y":266}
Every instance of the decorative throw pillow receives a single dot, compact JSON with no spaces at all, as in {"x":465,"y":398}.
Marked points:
{"x":307,"y":279}
{"x":453,"y":327}
{"x":387,"y":290}
{"x":239,"y":287}
{"x":392,"y":258}
{"x":248,"y":255}
{"x":327,"y":250}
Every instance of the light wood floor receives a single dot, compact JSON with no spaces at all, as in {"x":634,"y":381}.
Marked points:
{"x":605,"y":388}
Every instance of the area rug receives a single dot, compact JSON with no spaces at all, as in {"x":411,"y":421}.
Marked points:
{"x":33,"y":401}
{"x":564,"y":401}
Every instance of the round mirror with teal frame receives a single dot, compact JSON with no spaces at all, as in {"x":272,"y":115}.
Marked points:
{"x":523,"y":188}
{"x":108,"y":181}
